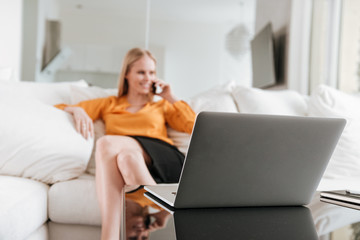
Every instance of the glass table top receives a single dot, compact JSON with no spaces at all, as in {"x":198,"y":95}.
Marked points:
{"x":146,"y":220}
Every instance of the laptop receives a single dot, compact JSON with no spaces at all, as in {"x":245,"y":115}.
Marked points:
{"x":238,"y":160}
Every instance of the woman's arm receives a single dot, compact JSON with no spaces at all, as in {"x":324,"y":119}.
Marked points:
{"x":178,"y":114}
{"x":83,"y":123}
{"x":166,"y":92}
{"x":84,"y":113}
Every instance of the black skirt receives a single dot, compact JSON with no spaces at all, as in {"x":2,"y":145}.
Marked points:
{"x":167,"y":160}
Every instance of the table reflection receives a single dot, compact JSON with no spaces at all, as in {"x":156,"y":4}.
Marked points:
{"x":332,"y":220}
{"x":143,"y":216}
{"x":146,"y":220}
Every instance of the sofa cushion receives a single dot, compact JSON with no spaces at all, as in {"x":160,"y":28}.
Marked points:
{"x":23,"y":207}
{"x":74,"y":202}
{"x":61,"y":231}
{"x":79,"y":94}
{"x":180,"y":139}
{"x":42,"y":233}
{"x":99,"y":131}
{"x":217,"y":98}
{"x":39,"y":141}
{"x":329,"y":102}
{"x":48,"y":93}
{"x":279,"y":102}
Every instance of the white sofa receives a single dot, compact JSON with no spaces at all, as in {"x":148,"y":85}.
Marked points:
{"x":47,"y":187}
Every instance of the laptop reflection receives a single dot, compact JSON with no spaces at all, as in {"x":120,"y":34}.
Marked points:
{"x":245,"y":223}
{"x":254,"y":223}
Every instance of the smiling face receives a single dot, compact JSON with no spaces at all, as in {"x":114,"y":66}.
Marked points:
{"x":141,"y":75}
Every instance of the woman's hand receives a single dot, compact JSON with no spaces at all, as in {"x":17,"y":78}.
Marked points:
{"x":83,"y":123}
{"x":166,"y":92}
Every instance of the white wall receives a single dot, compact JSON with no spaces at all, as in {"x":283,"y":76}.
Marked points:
{"x":190,"y":61}
{"x":10,"y":37}
{"x":191,"y":55}
{"x":98,"y":42}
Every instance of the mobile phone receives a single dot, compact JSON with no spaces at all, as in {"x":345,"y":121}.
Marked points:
{"x":153,"y":88}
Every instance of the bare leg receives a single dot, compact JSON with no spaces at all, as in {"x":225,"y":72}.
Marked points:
{"x":133,"y":167}
{"x":119,"y":160}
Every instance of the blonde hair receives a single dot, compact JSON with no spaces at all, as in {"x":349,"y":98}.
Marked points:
{"x":132,"y":56}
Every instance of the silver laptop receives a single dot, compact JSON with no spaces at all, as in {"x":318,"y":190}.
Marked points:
{"x":238,"y":159}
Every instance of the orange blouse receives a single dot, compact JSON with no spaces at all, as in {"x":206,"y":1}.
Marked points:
{"x":150,"y":121}
{"x":139,"y":198}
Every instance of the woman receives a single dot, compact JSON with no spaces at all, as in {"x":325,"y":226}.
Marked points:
{"x":136,"y":149}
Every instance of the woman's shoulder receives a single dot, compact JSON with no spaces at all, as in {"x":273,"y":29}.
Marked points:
{"x":165,"y":102}
{"x":115,"y":100}
{"x":111,"y":99}
{"x":161,"y":103}
{"x":104,"y":101}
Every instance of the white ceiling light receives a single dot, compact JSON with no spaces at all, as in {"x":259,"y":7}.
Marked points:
{"x":237,"y":41}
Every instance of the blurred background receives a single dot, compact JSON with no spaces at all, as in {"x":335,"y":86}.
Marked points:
{"x":198,"y":44}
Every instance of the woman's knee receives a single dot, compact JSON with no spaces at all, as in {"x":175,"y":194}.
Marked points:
{"x":110,"y":147}
{"x":107,"y":147}
{"x":103,"y":145}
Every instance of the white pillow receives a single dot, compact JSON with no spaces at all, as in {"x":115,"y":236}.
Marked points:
{"x":329,"y":102}
{"x":215,"y":99}
{"x":79,"y":94}
{"x":48,"y":93}
{"x":279,"y":102}
{"x":181,"y":139}
{"x":99,"y":131}
{"x":39,"y":141}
